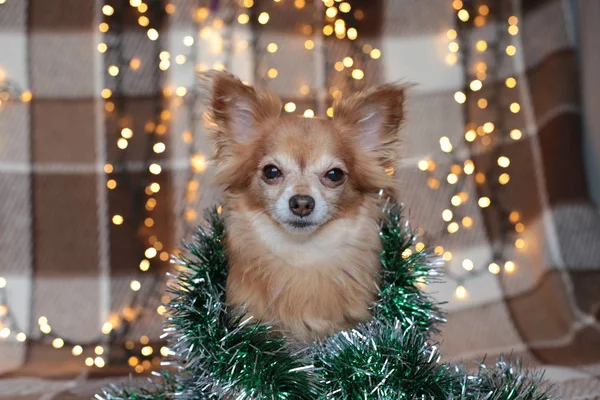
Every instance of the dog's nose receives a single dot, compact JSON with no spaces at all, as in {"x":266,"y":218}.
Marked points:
{"x":302,"y":205}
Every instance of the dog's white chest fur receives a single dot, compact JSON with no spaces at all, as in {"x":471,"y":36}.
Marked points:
{"x":308,"y":285}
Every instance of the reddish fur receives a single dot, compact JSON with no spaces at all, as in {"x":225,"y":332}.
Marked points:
{"x":309,"y":285}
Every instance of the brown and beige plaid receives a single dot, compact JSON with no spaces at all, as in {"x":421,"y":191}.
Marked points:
{"x":64,"y":258}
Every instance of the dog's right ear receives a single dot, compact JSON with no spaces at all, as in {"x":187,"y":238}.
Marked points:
{"x":238,"y":110}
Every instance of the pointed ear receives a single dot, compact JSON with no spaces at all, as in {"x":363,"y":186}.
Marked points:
{"x":374,"y":118}
{"x":237,"y":110}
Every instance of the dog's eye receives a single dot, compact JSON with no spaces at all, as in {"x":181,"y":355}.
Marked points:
{"x":271,"y":172}
{"x":335,"y":175}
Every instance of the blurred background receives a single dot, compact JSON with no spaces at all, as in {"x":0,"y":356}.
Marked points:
{"x":103,"y":166}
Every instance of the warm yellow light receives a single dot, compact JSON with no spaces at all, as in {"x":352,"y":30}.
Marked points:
{"x":127,"y":133}
{"x":243,"y":18}
{"x":476,"y":85}
{"x":519,"y":243}
{"x":463,"y":15}
{"x":513,"y":20}
{"x":420,"y":246}
{"x":133,"y":361}
{"x":272,"y":73}
{"x":331,"y":12}
{"x":135,"y":63}
{"x":330,"y":112}
{"x":135,"y":3}
{"x":510,"y":82}
{"x":327,"y":30}
{"x":488,"y":127}
{"x":108,"y":10}
{"x":460,"y":97}
{"x":504,"y":178}
{"x":122,"y":143}
{"x":423,"y":165}
{"x":451,"y":34}
{"x":438,"y":250}
{"x":58,"y":343}
{"x":345,"y":7}
{"x":272,"y":47}
{"x":519,"y":227}
{"x":106,"y":328}
{"x":511,"y":50}
{"x":77,"y":350}
{"x":159,"y":147}
{"x":147,"y":350}
{"x":348,"y":62}
{"x":514,"y":216}
{"x":515,"y":134}
{"x":152,"y":34}
{"x":447,"y":215}
{"x":308,"y":113}
{"x":135,"y":285}
{"x":470,"y":135}
{"x":503,"y":161}
{"x":451,"y":59}
{"x":480,"y":177}
{"x":103,"y":27}
{"x":117,"y":219}
{"x":3,"y":284}
{"x":447,"y":256}
{"x":106,"y":93}
{"x":468,"y":264}
{"x":445,"y":144}
{"x":102,"y":47}
{"x":150,"y":252}
{"x":4,"y":332}
{"x":99,"y":362}
{"x":154,"y":169}
{"x":45,"y":328}
{"x":433,"y":183}
{"x":144,"y":265}
{"x":513,"y":30}
{"x":309,"y":44}
{"x":99,"y":350}
{"x":352,"y":33}
{"x":515,"y":107}
{"x":164,"y":65}
{"x":170,"y":8}
{"x":181,"y":91}
{"x":467,"y":222}
{"x":460,"y":292}
{"x":452,"y":178}
{"x":375,"y":54}
{"x":358,"y":74}
{"x":509,"y":266}
{"x":144,"y":21}
{"x":453,"y":47}
{"x":263,"y":18}
{"x":304,"y":89}
{"x":484,"y":202}
{"x":453,"y":227}
{"x":89,"y":361}
{"x":299,"y":4}
{"x":481,"y":45}
{"x":483,"y":10}
{"x":494,"y":268}
{"x":456,"y":200}
{"x":290,"y":107}
{"x":180,"y":59}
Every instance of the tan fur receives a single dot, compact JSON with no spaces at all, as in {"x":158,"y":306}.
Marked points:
{"x":315,"y":282}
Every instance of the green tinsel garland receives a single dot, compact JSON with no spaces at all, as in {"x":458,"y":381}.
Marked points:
{"x":217,"y":356}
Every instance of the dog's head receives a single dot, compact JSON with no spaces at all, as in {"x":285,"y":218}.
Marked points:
{"x":303,"y":172}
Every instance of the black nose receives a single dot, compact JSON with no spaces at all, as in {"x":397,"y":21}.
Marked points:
{"x":302,"y":205}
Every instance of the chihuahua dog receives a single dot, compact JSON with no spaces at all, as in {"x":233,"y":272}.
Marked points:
{"x":302,"y":204}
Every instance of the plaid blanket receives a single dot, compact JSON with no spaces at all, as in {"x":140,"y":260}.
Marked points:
{"x":81,"y":202}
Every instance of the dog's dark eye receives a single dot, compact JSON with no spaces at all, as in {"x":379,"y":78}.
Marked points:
{"x":271,"y":172}
{"x":335,"y":175}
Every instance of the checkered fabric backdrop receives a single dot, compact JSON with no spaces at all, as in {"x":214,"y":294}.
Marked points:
{"x":68,"y":167}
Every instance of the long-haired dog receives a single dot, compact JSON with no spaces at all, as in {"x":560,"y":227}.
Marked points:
{"x":301,"y":203}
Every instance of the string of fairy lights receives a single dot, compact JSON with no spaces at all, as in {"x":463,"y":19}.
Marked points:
{"x":491,"y":173}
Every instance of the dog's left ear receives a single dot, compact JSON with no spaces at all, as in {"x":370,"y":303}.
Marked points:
{"x":237,"y":109}
{"x":374,"y":118}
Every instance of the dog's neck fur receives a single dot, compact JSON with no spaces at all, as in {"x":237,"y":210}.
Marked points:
{"x":308,"y":285}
